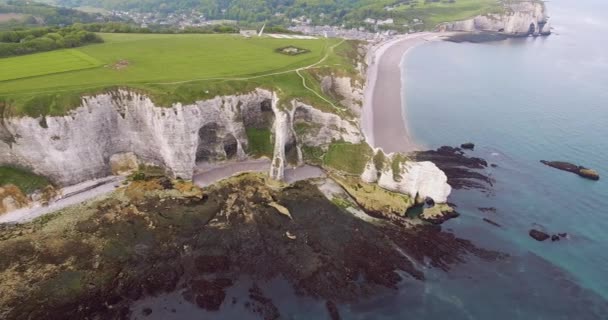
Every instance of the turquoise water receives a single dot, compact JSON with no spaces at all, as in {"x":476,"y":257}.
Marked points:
{"x":521,"y":101}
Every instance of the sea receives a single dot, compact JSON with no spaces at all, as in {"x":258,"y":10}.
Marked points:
{"x":521,"y":101}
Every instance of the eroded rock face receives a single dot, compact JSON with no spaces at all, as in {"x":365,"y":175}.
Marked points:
{"x":124,"y":163}
{"x":109,"y":131}
{"x":344,"y":89}
{"x":78,"y":146}
{"x":416,"y":179}
{"x":463,"y":172}
{"x":521,"y":19}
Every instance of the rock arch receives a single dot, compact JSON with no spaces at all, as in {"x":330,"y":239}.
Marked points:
{"x":532,"y":28}
{"x":207,"y":139}
{"x":231,"y":146}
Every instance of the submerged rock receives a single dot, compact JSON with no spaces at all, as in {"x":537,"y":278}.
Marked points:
{"x":538,"y":235}
{"x":567,"y":166}
{"x":332,"y":309}
{"x":468,"y":145}
{"x":491,"y":222}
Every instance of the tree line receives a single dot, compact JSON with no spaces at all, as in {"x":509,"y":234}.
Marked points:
{"x":121,"y":27}
{"x":20,"y":42}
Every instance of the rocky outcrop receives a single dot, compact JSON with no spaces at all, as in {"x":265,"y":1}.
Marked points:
{"x":468,"y":146}
{"x":579,"y":170}
{"x":12,"y":198}
{"x":416,"y":179}
{"x":438,"y":213}
{"x":519,"y":19}
{"x":538,"y":235}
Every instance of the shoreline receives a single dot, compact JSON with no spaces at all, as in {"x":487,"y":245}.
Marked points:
{"x":383,"y":120}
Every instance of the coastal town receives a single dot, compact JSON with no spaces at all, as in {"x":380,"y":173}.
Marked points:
{"x":371,"y":29}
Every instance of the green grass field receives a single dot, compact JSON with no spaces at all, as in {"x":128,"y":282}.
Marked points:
{"x":172,"y":68}
{"x":347,"y":157}
{"x":45,"y":63}
{"x":433,"y":13}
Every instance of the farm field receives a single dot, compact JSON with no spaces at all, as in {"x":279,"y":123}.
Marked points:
{"x":433,"y":13}
{"x":45,"y":63}
{"x":162,"y":64}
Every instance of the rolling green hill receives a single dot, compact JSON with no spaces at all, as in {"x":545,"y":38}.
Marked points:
{"x":171,"y":68}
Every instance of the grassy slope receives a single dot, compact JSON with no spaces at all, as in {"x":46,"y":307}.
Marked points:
{"x":260,"y":142}
{"x":347,"y":157}
{"x":25,"y":180}
{"x":45,"y":63}
{"x":172,"y":68}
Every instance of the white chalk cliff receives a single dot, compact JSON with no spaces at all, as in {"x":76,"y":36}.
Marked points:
{"x":79,"y":146}
{"x":519,"y":19}
{"x":416,"y":179}
{"x":111,"y":133}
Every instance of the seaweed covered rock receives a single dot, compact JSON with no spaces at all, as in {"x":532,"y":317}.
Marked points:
{"x":107,"y":255}
{"x":579,"y":170}
{"x":438,"y":213}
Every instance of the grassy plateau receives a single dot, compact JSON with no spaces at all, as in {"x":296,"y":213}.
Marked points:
{"x":171,"y":68}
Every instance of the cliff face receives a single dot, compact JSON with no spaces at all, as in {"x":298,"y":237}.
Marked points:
{"x":520,"y":19}
{"x":79,"y":146}
{"x":111,"y":133}
{"x":416,"y":179}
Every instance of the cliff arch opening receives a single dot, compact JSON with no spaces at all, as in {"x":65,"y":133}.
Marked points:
{"x":258,"y":114}
{"x":207,"y":138}
{"x":230,"y":146}
{"x":532,"y":29}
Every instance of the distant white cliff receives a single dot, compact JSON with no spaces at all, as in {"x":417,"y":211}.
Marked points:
{"x":519,"y":19}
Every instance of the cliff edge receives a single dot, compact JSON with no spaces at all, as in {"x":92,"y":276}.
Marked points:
{"x":518,"y":19}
